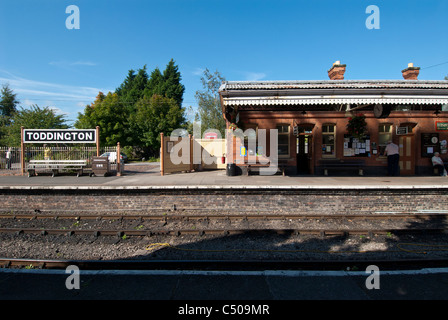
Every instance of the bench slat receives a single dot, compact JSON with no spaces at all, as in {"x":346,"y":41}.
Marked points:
{"x":56,"y":165}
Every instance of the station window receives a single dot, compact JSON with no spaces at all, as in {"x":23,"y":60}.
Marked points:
{"x":250,"y":135}
{"x":384,"y":135}
{"x":329,"y":140}
{"x":283,"y":139}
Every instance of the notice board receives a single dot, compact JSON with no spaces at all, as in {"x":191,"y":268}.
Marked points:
{"x":430,"y":144}
{"x":354,"y":147}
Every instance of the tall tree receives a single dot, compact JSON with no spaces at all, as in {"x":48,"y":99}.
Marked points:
{"x":124,"y":116}
{"x":132,"y":89}
{"x":154,"y":115}
{"x":172,"y":87}
{"x":127,"y":84}
{"x":155,"y":84}
{"x":209,"y":105}
{"x":8,"y":101}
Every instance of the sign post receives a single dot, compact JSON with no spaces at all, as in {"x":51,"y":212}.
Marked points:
{"x":22,"y":151}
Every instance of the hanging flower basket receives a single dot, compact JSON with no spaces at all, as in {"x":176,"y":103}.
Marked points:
{"x":357,"y":126}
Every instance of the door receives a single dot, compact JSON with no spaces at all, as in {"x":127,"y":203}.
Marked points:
{"x":407,"y":155}
{"x":304,"y":153}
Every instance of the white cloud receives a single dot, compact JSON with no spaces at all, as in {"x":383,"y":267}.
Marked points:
{"x":28,"y":102}
{"x":64,"y":63}
{"x":41,"y":89}
{"x":65,"y":99}
{"x":254,"y":76}
{"x":58,"y":110}
{"x":198,"y":71}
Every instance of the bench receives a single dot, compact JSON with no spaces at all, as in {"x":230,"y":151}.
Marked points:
{"x":338,"y":164}
{"x":55,"y":166}
{"x":248,"y":167}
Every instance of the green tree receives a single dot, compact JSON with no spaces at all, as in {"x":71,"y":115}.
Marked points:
{"x":132,"y":89}
{"x":154,"y":115}
{"x":8,"y":107}
{"x":172,"y":87}
{"x":155,"y":84}
{"x":127,"y":84}
{"x":167,"y":84}
{"x":139,"y":109}
{"x":209,"y":105}
{"x":32,"y":118}
{"x":8,"y":101}
{"x":108,"y":113}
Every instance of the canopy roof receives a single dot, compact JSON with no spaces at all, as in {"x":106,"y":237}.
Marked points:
{"x":333,"y":92}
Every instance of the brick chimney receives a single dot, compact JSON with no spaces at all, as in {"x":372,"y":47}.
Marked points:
{"x":411,"y":72}
{"x":337,"y":71}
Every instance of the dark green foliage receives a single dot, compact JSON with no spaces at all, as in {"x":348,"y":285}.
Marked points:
{"x":8,"y":101}
{"x":154,"y":115}
{"x":108,"y":113}
{"x":140,"y":109}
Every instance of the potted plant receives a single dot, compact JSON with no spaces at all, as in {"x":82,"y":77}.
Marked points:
{"x":357,"y":126}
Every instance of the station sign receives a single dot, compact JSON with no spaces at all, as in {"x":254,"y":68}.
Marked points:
{"x":402,"y":130}
{"x":441,"y":126}
{"x":59,"y":136}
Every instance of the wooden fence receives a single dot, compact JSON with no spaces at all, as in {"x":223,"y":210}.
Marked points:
{"x":186,"y":154}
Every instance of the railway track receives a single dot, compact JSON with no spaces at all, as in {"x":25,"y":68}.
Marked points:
{"x":241,"y":216}
{"x":438,"y":224}
{"x":175,"y":224}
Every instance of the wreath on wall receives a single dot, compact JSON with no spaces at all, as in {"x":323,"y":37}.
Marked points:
{"x":357,"y":126}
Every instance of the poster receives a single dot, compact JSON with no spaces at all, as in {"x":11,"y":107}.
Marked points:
{"x":354,"y":147}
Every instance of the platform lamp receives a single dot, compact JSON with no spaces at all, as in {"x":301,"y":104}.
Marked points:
{"x":348,"y":111}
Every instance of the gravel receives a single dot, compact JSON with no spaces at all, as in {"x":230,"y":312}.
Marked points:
{"x":214,"y":247}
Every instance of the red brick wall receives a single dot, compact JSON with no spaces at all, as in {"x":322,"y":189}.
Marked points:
{"x":424,"y":123}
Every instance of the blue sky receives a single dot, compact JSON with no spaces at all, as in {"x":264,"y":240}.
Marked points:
{"x":49,"y":65}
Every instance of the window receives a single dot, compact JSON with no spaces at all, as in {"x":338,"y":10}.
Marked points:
{"x":328,"y":140}
{"x":283,"y":139}
{"x":252,"y":136}
{"x":384,"y":135}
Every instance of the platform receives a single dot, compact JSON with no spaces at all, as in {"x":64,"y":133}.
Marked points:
{"x":218,"y":180}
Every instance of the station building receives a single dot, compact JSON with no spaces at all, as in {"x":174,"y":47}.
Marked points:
{"x":312,"y":117}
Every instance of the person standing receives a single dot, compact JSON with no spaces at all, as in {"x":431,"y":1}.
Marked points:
{"x":8,"y":159}
{"x":393,"y":156}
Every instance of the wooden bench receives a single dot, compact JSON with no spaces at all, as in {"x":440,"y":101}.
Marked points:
{"x":55,"y":166}
{"x":248,"y":167}
{"x":338,"y":164}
